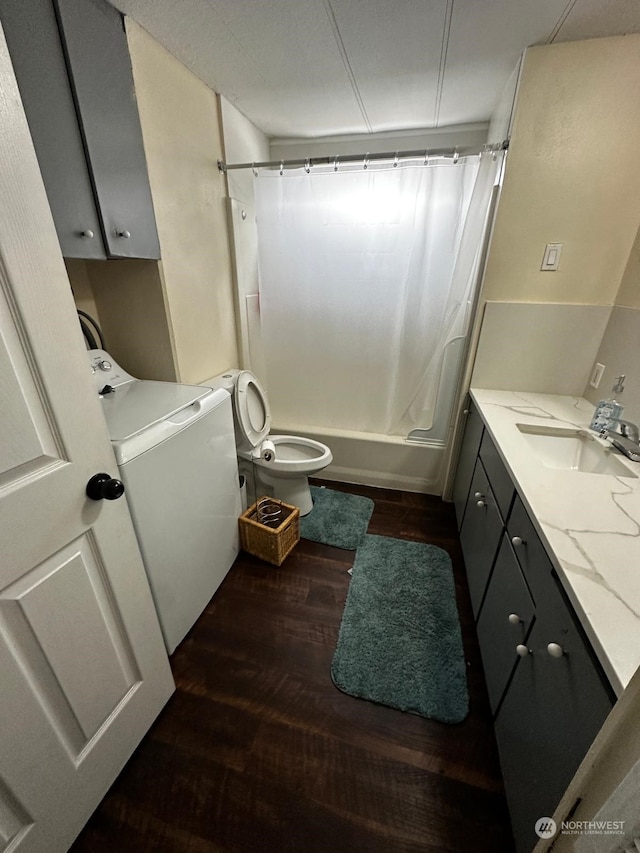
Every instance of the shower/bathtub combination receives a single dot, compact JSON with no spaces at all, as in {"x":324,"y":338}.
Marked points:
{"x":358,"y":327}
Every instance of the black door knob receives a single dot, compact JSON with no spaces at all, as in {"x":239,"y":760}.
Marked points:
{"x":102,"y":486}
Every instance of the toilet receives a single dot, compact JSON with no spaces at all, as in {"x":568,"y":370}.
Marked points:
{"x":283,"y":463}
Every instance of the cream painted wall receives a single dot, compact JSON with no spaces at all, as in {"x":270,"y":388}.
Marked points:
{"x":244,"y":143}
{"x":182,"y":139}
{"x":572,"y":175}
{"x":629,"y":293}
{"x":81,"y":286}
{"x":130,"y":297}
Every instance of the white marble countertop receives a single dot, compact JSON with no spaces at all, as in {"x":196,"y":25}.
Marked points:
{"x":589,"y":523}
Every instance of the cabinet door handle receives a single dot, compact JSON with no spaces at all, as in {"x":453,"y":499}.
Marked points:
{"x":516,"y":540}
{"x":514,"y":619}
{"x":555,"y":650}
{"x":522,"y":651}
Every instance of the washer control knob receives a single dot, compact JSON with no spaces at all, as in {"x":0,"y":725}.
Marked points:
{"x":104,"y":364}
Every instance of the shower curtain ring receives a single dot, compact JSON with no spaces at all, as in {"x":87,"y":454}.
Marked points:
{"x":335,"y":163}
{"x":307,"y":166}
{"x":426,"y":157}
{"x":281,"y":167}
{"x":395,"y":160}
{"x":456,"y":157}
{"x":365,"y":162}
{"x":254,"y":170}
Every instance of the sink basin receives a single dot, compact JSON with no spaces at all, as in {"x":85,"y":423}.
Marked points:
{"x":572,"y":450}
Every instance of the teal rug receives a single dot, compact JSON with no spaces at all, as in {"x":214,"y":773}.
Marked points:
{"x":337,"y":518}
{"x":400,"y":642}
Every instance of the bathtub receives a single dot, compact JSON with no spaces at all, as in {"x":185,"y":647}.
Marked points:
{"x":379,"y":460}
{"x":417,"y":463}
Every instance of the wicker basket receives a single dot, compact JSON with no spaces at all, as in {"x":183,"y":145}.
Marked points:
{"x":273,"y":544}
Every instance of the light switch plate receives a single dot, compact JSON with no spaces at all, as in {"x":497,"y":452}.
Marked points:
{"x":551,"y":257}
{"x":596,"y":374}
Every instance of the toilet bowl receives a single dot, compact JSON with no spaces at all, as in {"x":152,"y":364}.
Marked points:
{"x":281,"y":462}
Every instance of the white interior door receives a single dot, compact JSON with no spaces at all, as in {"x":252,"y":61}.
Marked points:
{"x":82,"y":662}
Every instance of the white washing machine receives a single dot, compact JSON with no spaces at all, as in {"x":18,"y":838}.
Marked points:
{"x":175,"y":448}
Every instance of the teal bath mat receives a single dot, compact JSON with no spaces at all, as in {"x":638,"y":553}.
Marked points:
{"x":337,"y":518}
{"x":400,"y":642}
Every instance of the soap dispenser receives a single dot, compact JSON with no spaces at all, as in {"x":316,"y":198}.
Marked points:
{"x":609,"y":409}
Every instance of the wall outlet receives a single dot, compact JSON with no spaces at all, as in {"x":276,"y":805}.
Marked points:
{"x":596,"y":374}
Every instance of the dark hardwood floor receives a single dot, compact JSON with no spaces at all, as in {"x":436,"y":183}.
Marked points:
{"x":257,"y":751}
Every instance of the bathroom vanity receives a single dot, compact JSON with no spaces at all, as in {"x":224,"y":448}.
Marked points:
{"x":549,"y":520}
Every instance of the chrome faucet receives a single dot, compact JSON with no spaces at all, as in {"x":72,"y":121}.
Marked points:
{"x":628,"y":429}
{"x":626,"y":440}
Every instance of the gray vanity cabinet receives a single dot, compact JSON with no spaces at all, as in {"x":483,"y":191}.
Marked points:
{"x":505,"y":621}
{"x":488,"y":503}
{"x":546,"y":688}
{"x":480,"y":535}
{"x":550,"y":715}
{"x":473,"y":431}
{"x":74,"y":73}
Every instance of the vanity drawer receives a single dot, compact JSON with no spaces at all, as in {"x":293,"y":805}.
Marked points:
{"x":499,"y":478}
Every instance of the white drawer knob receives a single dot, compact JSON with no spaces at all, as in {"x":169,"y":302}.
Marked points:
{"x":522,"y":651}
{"x":480,"y":504}
{"x":514,"y":619}
{"x":516,"y":540}
{"x":478,"y":495}
{"x":555,"y":650}
{"x":88,"y":234}
{"x":124,"y":234}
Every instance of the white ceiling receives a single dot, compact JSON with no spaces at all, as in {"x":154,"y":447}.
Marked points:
{"x":301,"y":68}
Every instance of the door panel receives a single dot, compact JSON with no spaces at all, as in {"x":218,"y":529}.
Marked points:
{"x":84,"y":670}
{"x":82,"y":673}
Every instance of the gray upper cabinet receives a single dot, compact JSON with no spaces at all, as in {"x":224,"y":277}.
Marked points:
{"x":74,"y":73}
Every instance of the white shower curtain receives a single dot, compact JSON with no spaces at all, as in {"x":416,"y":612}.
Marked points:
{"x":360,"y":290}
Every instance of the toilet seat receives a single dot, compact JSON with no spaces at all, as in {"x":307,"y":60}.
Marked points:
{"x":296,"y":455}
{"x":252,"y":408}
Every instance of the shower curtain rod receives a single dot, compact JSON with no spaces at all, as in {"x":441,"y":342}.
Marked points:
{"x":336,"y":160}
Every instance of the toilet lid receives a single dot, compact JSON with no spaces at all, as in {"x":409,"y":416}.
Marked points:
{"x":252,"y":408}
